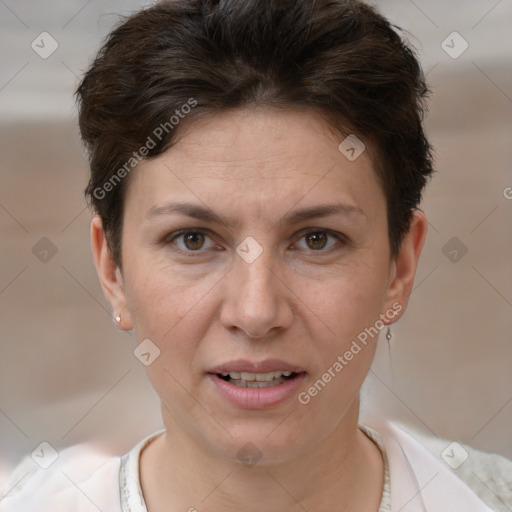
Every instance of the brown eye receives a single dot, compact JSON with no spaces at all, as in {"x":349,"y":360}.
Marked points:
{"x":193,"y":240}
{"x":190,"y":241}
{"x":316,"y":240}
{"x":321,"y":241}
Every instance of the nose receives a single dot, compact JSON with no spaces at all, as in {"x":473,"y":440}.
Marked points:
{"x":256,"y":299}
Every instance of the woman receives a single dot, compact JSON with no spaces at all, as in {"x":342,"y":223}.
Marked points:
{"x":256,"y":174}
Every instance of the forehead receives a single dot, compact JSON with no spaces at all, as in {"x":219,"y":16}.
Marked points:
{"x":267,"y":138}
{"x":256,"y":157}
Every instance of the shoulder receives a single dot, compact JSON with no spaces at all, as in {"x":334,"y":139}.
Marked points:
{"x":489,"y":475}
{"x":79,"y":478}
{"x":486,"y":475}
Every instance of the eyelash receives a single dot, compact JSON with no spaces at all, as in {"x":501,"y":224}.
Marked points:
{"x":169,"y":240}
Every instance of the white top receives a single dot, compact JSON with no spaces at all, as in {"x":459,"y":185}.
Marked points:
{"x":421,"y":475}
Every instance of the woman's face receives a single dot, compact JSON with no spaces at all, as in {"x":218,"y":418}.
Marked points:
{"x":254,"y":244}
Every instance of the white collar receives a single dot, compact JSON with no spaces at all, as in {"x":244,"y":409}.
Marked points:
{"x":419,"y":481}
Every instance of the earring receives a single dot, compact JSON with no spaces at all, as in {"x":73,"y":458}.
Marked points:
{"x":388,"y":339}
{"x":118,"y":318}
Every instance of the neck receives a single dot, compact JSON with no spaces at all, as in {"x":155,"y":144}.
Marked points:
{"x":343,"y":471}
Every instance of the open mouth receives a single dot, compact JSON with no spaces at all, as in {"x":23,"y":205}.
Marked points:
{"x":257,"y":380}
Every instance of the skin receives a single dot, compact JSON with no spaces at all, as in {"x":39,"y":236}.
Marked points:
{"x":299,"y":301}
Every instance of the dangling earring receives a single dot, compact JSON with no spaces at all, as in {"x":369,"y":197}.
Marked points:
{"x":388,"y":339}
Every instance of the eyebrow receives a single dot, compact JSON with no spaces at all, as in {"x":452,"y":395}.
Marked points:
{"x":293,"y":217}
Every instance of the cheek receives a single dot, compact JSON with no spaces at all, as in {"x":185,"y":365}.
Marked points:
{"x":349,"y":301}
{"x":175,"y":316}
{"x":343,"y":359}
{"x":174,"y":309}
{"x":160,"y":296}
{"x":349,"y":307}
{"x":349,"y":352}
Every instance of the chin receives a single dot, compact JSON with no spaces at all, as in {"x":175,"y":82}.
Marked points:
{"x":263,"y":444}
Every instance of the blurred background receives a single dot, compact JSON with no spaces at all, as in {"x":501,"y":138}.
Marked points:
{"x":68,"y":376}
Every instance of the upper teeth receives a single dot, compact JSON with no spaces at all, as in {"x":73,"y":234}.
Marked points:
{"x":261,"y":377}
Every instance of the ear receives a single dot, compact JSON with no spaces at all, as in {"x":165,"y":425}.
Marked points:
{"x":109,"y":274}
{"x":403,"y":267}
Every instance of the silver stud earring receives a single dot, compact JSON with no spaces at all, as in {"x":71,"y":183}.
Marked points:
{"x":118,"y":318}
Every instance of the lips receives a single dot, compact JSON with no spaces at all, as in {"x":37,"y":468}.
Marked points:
{"x":266,"y":366}
{"x":257,"y":380}
{"x":257,"y":385}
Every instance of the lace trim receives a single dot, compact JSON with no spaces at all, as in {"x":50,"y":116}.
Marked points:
{"x":385,"y":502}
{"x":130,"y":491}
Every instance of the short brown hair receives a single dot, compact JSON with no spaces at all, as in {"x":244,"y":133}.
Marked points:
{"x":340,"y":58}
